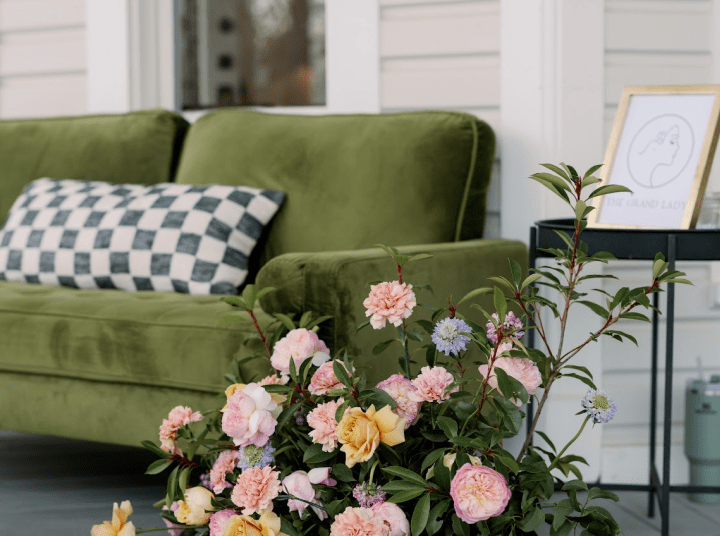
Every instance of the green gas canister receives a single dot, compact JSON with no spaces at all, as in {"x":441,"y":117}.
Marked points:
{"x":702,"y":436}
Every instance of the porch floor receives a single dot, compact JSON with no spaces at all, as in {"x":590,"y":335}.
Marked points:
{"x":66,"y":486}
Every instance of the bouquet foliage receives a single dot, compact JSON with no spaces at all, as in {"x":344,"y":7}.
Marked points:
{"x":315,"y":450}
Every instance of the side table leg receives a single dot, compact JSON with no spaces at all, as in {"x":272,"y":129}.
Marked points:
{"x":667,"y":417}
{"x":653,"y":405}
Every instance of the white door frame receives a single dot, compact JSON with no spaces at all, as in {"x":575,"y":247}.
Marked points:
{"x":131,"y":56}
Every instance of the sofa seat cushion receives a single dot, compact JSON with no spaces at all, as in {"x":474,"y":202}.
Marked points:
{"x":351,"y":181}
{"x":145,"y":338}
{"x":141,"y":147}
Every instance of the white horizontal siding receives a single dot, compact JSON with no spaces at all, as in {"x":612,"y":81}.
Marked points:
{"x":444,"y":55}
{"x":43,"y":67}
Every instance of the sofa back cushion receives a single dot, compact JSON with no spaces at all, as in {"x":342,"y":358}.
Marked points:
{"x":139,"y":147}
{"x":351,"y":181}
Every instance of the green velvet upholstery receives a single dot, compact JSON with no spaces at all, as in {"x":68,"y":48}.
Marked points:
{"x":336,"y":283}
{"x":351,"y":180}
{"x":140,"y":147}
{"x":107,"y":365}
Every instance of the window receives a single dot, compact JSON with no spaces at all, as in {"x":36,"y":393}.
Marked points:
{"x":252,"y":53}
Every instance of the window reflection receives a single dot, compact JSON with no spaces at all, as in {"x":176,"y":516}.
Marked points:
{"x":252,"y":52}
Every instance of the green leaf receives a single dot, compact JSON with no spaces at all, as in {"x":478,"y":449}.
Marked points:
{"x":533,"y":521}
{"x":557,"y":170}
{"x":315,"y":454}
{"x":474,"y":293}
{"x":500,"y":304}
{"x":341,"y":373}
{"x":513,"y":417}
{"x":420,"y":515}
{"x":552,"y":179}
{"x":234,"y":301}
{"x":287,"y":413}
{"x":342,"y":472}
{"x":560,"y":192}
{"x":583,"y":379}
{"x":408,"y":495}
{"x":288,"y":528}
{"x":432,"y":458}
{"x":577,"y":485}
{"x":415,"y":334}
{"x":592,"y":170}
{"x":419,"y":257}
{"x":435,"y":522}
{"x":317,"y":321}
{"x":529,"y":280}
{"x":381,"y":346}
{"x":405,"y":474}
{"x":635,"y":316}
{"x":158,"y":466}
{"x":152,"y":447}
{"x":609,"y":189}
{"x":172,"y":487}
{"x":562,"y":510}
{"x":503,"y":281}
{"x":516,"y":271}
{"x":595,"y":308}
{"x":580,"y":209}
{"x":286,"y":321}
{"x":341,"y":410}
{"x":379,"y":398}
{"x":448,"y":425}
{"x":397,"y":486}
{"x":304,"y":319}
{"x":249,"y":295}
{"x":510,"y":387}
{"x":183,"y":480}
{"x":597,"y":493}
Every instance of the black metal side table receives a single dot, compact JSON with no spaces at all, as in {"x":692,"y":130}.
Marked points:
{"x":643,"y":244}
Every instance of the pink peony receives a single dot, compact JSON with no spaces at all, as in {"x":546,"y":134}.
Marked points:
{"x":226,"y":463}
{"x":299,"y":344}
{"x":255,"y":489}
{"x":299,"y":484}
{"x":324,"y":379}
{"x":389,"y":302}
{"x":178,"y":417}
{"x":248,"y":417}
{"x":522,"y":369}
{"x":394,"y":518}
{"x":358,"y":522}
{"x":430,"y":385}
{"x":218,"y":521}
{"x":323,"y":424}
{"x":400,"y":389}
{"x":273,"y":379}
{"x":478,"y":493}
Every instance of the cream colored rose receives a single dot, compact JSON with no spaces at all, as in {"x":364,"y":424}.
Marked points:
{"x":267,"y":525}
{"x":361,"y":432}
{"x":193,"y":510}
{"x":119,"y":526}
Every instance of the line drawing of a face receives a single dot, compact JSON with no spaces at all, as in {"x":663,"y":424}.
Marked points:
{"x":660,"y":151}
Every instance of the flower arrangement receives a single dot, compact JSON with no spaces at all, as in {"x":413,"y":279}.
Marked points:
{"x":313,"y":449}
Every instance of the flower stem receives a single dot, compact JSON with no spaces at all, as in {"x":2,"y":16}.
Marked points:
{"x":557,"y":458}
{"x":262,"y":336}
{"x":158,"y":529}
{"x":403,"y":339}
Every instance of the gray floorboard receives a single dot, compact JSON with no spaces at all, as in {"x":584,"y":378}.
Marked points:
{"x":57,"y":486}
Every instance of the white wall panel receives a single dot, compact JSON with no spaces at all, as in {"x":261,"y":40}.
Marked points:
{"x":43,"y":96}
{"x":45,"y":51}
{"x":18,"y":15}
{"x":456,"y":82}
{"x":445,"y":29}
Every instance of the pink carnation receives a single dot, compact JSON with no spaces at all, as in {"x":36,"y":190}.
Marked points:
{"x":273,"y":379}
{"x":248,"y":417}
{"x":478,"y":493}
{"x":400,"y":389}
{"x":394,"y":518}
{"x":389,"y":302}
{"x":255,"y":489}
{"x":522,"y":369}
{"x":358,"y":522}
{"x":323,"y":424}
{"x":299,"y":344}
{"x":226,"y":463}
{"x":431,"y":384}
{"x":178,"y":417}
{"x":324,"y":379}
{"x":218,"y":521}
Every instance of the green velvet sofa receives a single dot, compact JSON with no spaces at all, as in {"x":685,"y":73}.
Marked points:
{"x":108,"y":365}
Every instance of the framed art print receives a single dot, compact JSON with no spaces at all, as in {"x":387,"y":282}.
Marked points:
{"x":661,"y":147}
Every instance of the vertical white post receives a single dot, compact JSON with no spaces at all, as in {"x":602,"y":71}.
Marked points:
{"x":552,"y":102}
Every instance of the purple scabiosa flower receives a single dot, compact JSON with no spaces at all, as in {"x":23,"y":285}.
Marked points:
{"x":511,"y":322}
{"x":448,"y":337}
{"x":368,"y":495}
{"x":599,"y":406}
{"x":252,"y":456}
{"x":205,"y":480}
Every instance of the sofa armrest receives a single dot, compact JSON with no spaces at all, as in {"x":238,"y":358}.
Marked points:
{"x":336,"y":283}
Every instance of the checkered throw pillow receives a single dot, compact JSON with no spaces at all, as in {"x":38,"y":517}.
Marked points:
{"x":165,"y":237}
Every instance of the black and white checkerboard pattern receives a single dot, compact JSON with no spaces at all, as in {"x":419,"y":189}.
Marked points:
{"x":165,"y":237}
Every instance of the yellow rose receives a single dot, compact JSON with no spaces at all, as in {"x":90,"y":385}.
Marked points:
{"x":119,"y":526}
{"x":267,"y":525}
{"x":361,"y":432}
{"x":193,"y":510}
